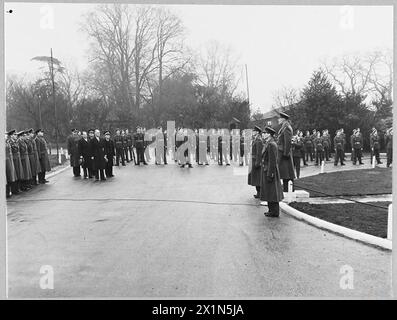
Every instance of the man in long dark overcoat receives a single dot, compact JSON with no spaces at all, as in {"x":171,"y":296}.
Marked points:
{"x":85,"y":155}
{"x":271,"y":190}
{"x":254,"y":175}
{"x":285,"y":160}
{"x":98,"y":156}
{"x":73,"y":151}
{"x":45,"y":166}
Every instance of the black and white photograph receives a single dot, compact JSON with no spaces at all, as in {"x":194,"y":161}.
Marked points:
{"x":190,"y":151}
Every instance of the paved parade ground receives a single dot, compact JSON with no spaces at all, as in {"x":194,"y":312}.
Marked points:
{"x":163,"y":231}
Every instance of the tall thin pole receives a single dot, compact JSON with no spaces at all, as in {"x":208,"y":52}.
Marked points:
{"x":246,"y":77}
{"x":55,"y":106}
{"x":41,"y":123}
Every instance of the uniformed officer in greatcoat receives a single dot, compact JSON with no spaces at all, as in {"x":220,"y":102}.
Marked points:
{"x":254,"y":175}
{"x":270,"y":187}
{"x":285,"y":161}
{"x":11,"y":175}
{"x":43,"y":155}
{"x":338,"y":146}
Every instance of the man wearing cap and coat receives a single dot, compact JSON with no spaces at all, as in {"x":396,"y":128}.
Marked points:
{"x":45,"y":166}
{"x":285,"y":161}
{"x":254,"y":176}
{"x":270,"y":190}
{"x":109,"y":150}
{"x":85,"y":155}
{"x":73,"y":151}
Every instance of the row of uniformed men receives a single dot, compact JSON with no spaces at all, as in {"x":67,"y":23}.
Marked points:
{"x":97,"y":154}
{"x":26,"y":160}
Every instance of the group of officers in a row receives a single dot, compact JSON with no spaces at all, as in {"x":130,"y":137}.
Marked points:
{"x":26,"y":159}
{"x":96,"y":155}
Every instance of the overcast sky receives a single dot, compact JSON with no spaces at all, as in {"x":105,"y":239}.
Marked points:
{"x":281,"y":45}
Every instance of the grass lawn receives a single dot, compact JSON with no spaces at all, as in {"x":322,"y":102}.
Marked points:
{"x":348,"y":183}
{"x":355,"y":216}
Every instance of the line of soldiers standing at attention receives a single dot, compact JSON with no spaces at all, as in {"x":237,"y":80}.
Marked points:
{"x":318,"y":147}
{"x":26,"y":160}
{"x":123,"y":147}
{"x":282,"y":162}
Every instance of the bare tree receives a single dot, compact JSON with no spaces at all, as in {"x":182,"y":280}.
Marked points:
{"x":216,"y":69}
{"x":367,"y":74}
{"x":284,"y":97}
{"x":123,"y":43}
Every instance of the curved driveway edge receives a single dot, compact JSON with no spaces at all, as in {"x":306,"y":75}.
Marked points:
{"x":349,"y":233}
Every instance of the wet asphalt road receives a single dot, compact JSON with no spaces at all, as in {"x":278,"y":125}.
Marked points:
{"x":158,"y":231}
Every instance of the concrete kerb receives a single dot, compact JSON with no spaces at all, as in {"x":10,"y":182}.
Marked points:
{"x":349,"y":233}
{"x":337,"y":229}
{"x":60,"y":170}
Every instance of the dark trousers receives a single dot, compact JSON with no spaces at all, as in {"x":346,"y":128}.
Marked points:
{"x":309,"y":152}
{"x":130,"y":151}
{"x":389,"y":152}
{"x":303,"y":156}
{"x":357,"y":155}
{"x":274,"y":208}
{"x":120,"y":154}
{"x":140,"y":155}
{"x":109,"y":169}
{"x":258,"y":190}
{"x":76,"y":171}
{"x":338,"y":156}
{"x":99,"y":173}
{"x":285,"y":184}
{"x":297,"y":165}
{"x":125,"y":151}
{"x":326,"y":153}
{"x":319,"y":156}
{"x":85,"y":172}
{"x":41,"y":176}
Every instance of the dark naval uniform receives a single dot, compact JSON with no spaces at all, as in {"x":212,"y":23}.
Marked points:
{"x":98,"y":157}
{"x":129,"y":145}
{"x":109,"y":153}
{"x":139,"y":146}
{"x":85,"y":156}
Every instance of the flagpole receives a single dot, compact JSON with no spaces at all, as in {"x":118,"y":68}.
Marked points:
{"x":55,"y":106}
{"x":246,"y":77}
